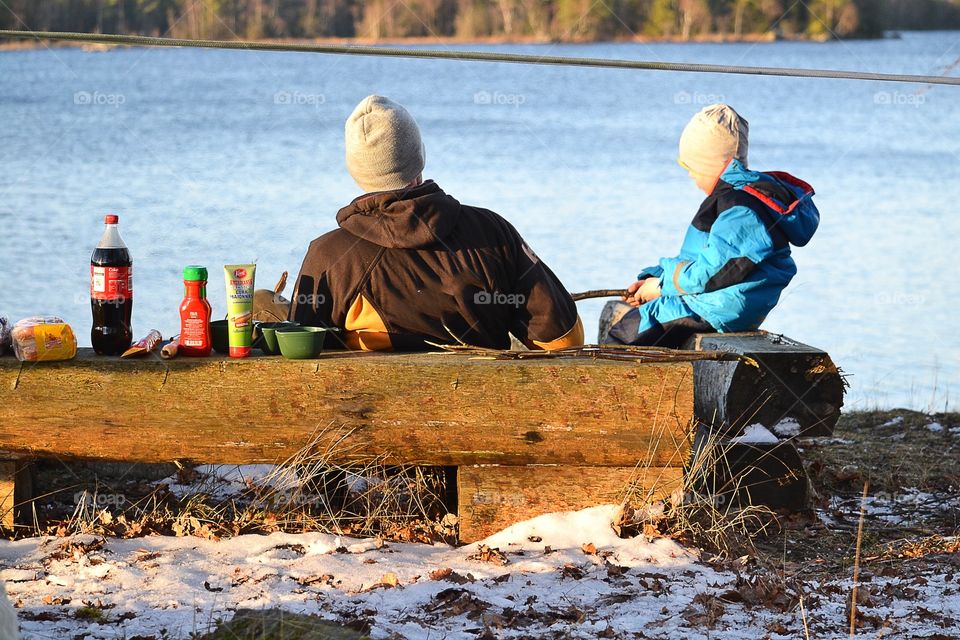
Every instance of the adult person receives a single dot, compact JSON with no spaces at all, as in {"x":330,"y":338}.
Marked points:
{"x":410,"y":265}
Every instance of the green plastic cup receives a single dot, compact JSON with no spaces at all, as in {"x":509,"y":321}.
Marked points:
{"x":301,"y":343}
{"x":220,"y":335}
{"x":268,"y":336}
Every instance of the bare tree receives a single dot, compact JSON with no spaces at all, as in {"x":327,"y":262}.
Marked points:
{"x":694,"y":14}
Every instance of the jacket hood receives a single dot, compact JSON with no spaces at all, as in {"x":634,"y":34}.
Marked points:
{"x":789,"y":199}
{"x":402,"y":219}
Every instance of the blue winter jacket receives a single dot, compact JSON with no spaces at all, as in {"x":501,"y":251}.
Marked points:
{"x":735,"y":259}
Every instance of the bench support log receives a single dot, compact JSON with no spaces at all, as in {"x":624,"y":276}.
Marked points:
{"x":16,"y":493}
{"x":787,"y":380}
{"x":491,"y":498}
{"x":741,"y":474}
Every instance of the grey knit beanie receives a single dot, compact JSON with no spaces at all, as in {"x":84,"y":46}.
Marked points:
{"x":713,"y":137}
{"x":384,"y":150}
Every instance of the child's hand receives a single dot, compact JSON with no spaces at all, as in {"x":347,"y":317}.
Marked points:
{"x":649,"y":290}
{"x":631,"y":297}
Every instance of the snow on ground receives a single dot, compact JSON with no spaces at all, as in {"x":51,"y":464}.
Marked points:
{"x":566,"y":575}
{"x":910,"y":507}
{"x":222,"y":481}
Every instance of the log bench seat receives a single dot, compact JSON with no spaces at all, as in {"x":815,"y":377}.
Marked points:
{"x":527,"y":435}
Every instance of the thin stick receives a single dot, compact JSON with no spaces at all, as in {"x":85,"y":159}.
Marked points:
{"x":599,"y":293}
{"x":856,"y":562}
{"x":803,"y":616}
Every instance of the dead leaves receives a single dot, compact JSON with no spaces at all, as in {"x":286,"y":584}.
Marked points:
{"x":325,"y":579}
{"x":705,"y":610}
{"x":486,"y":554}
{"x":450,"y":575}
{"x":650,"y":520}
{"x":571,"y":570}
{"x":455,"y":602}
{"x":191,"y":526}
{"x":77,"y":548}
{"x":767,"y":591}
{"x":389,"y":580}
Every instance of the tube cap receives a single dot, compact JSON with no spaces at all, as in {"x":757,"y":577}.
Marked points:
{"x":194,"y":273}
{"x":111,"y":219}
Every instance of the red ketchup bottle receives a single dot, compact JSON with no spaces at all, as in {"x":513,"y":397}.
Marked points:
{"x":195,"y":314}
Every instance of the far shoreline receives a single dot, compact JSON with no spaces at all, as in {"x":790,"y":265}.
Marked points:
{"x":714,"y":38}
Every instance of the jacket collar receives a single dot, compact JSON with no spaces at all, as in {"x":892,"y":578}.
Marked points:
{"x":403,"y":219}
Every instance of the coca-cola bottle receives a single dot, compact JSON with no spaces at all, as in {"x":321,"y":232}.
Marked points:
{"x":111,"y":292}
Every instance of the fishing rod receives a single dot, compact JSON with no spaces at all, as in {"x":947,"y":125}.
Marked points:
{"x":477,"y":56}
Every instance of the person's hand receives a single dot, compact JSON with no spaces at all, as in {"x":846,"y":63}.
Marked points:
{"x":649,"y":290}
{"x":631,"y":297}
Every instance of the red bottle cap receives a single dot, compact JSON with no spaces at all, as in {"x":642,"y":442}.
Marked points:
{"x":111,"y":219}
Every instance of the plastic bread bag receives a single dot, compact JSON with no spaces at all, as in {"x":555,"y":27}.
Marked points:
{"x":4,"y":335}
{"x":43,"y":339}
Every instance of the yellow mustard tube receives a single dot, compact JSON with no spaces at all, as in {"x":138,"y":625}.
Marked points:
{"x":239,"y":280}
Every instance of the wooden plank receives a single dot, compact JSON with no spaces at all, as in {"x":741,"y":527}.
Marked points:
{"x":432,"y":409}
{"x":491,"y":498}
{"x":790,"y":380}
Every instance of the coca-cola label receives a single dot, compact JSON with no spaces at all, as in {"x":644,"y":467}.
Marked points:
{"x":111,"y":283}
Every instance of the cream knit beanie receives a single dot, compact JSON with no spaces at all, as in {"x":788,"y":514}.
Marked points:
{"x":384,"y":150}
{"x":714,"y":136}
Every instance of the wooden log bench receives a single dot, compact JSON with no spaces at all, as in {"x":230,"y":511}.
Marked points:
{"x":526,"y":436}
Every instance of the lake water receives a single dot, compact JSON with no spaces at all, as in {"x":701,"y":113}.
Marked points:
{"x":213,"y":157}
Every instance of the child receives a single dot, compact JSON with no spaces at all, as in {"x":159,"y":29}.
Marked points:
{"x":735,"y":259}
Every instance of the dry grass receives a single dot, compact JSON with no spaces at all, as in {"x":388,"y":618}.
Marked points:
{"x":702,"y":511}
{"x":310,"y":491}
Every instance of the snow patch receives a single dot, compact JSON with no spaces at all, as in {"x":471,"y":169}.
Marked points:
{"x":787,"y":428}
{"x":225,"y":481}
{"x":756,"y":434}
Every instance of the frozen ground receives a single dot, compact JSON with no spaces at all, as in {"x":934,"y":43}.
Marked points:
{"x":561,"y":575}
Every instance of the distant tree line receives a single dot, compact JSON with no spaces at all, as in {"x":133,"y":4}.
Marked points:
{"x":546,"y":19}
